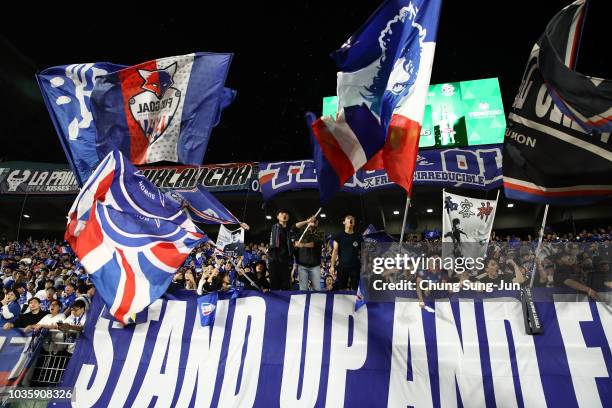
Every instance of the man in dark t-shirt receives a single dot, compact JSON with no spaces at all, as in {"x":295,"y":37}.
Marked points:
{"x":308,"y":254}
{"x":346,"y":252}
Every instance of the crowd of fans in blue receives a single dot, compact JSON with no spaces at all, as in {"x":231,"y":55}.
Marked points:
{"x":44,"y":285}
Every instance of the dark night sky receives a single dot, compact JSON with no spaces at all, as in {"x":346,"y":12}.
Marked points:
{"x":281,"y":66}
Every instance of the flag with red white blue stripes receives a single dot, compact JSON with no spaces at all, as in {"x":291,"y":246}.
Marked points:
{"x":128,"y":236}
{"x":162,"y":109}
{"x":385,"y":67}
{"x":342,"y":146}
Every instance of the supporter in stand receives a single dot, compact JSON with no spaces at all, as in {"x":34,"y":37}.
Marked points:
{"x":190,"y":283}
{"x":280,"y":252}
{"x":24,"y":295}
{"x":10,"y":310}
{"x":347,"y":249}
{"x":45,"y":304}
{"x":601,"y":277}
{"x":26,"y":320}
{"x":50,"y":321}
{"x":329,"y":284}
{"x":308,"y":254}
{"x":74,"y":323}
{"x":567,"y":274}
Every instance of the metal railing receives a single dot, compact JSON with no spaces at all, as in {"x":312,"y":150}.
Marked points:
{"x":57,"y":348}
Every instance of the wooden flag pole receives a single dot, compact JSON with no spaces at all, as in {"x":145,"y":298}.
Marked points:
{"x":539,"y":247}
{"x":308,"y":225}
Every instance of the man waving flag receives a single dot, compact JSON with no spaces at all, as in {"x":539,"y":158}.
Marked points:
{"x":128,"y":236}
{"x":385,"y":68}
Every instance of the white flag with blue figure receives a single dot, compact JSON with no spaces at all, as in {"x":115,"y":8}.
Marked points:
{"x":386,"y":66}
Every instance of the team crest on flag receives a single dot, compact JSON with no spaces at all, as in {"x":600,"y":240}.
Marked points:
{"x":154,"y":107}
{"x":207,"y":308}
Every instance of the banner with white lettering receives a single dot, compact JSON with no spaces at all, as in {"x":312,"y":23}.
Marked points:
{"x":476,"y":167}
{"x":214,"y":177}
{"x":292,"y":349}
{"x":35,"y":181}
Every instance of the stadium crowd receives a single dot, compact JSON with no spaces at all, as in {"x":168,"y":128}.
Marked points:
{"x":44,"y":285}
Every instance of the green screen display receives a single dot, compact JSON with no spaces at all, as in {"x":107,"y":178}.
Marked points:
{"x":330,"y":105}
{"x":457,"y":114}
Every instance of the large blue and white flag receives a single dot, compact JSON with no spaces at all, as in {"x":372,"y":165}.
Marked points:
{"x":386,"y":66}
{"x":128,"y":236}
{"x":162,"y":109}
{"x":292,"y":350}
{"x":66,"y":90}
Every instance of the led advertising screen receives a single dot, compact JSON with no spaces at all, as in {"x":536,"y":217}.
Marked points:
{"x":457,"y":114}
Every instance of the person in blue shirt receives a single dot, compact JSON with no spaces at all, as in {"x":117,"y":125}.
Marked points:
{"x":45,"y":304}
{"x":9,"y":312}
{"x":24,"y":295}
{"x":69,"y":296}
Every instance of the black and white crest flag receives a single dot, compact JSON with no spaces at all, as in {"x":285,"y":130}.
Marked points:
{"x":558,"y":147}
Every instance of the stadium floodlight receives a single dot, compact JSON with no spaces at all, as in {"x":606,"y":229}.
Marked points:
{"x":430,"y":210}
{"x":268,"y":217}
{"x":26,"y":216}
{"x":510,"y":205}
{"x":323,"y":215}
{"x":396,"y":212}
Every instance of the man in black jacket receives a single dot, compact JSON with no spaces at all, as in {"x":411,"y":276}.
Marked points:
{"x":280,"y":253}
{"x":308,"y":254}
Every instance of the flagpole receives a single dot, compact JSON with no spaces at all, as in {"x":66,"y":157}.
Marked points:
{"x":539,"y":247}
{"x":229,"y":258}
{"x":21,"y":215}
{"x":404,"y":221}
{"x":308,"y":225}
{"x":496,"y":204}
{"x":384,"y":221}
{"x":244,"y":274}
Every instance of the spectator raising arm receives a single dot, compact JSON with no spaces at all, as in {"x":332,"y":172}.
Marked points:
{"x":334,"y":260}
